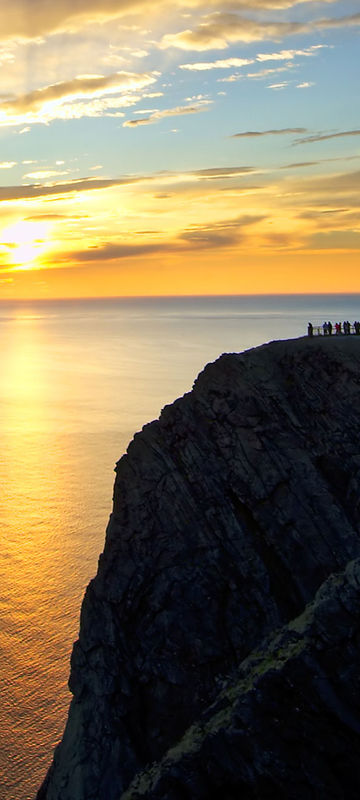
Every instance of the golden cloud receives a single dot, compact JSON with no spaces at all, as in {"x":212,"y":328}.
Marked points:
{"x":32,"y":18}
{"x":87,"y":95}
{"x":219,"y":29}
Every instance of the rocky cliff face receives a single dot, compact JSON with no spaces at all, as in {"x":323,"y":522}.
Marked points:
{"x":195,"y":651}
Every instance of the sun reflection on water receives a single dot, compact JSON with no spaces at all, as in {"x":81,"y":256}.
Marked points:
{"x":53,"y":522}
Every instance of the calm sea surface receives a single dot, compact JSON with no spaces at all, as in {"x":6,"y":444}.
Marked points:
{"x":78,"y":378}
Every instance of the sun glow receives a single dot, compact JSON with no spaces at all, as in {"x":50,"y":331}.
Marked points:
{"x":25,"y":241}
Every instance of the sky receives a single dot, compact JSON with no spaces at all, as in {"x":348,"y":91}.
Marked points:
{"x":191,"y":147}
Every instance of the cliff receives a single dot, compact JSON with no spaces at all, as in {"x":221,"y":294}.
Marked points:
{"x":218,"y":641}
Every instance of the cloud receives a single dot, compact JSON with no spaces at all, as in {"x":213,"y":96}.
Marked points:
{"x":273,"y":5}
{"x":263,"y":73}
{"x":61,"y":100}
{"x":221,"y":29}
{"x":42,"y":217}
{"x":110,"y":251}
{"x":341,"y":189}
{"x":349,"y":21}
{"x":299,"y":164}
{"x":323,"y":137}
{"x":8,"y":193}
{"x":7,"y":164}
{"x":168,"y":112}
{"x":221,"y":172}
{"x":270,"y":132}
{"x":30,"y":19}
{"x":278,"y":85}
{"x":219,"y":64}
{"x":134,"y":123}
{"x":338,"y":240}
{"x":218,"y":30}
{"x":282,"y":55}
{"x":33,"y":18}
{"x":289,"y":55}
{"x":224,"y":233}
{"x":42,"y":174}
{"x":305,"y":85}
{"x":347,"y":182}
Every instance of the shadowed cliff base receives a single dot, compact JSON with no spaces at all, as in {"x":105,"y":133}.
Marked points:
{"x":230,"y":512}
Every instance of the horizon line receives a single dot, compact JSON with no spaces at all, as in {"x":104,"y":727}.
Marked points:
{"x":175,"y":296}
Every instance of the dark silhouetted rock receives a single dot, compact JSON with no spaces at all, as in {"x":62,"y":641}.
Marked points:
{"x":230,"y":512}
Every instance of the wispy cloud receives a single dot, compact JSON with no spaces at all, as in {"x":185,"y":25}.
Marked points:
{"x":322,"y":137}
{"x":278,"y":85}
{"x":270,"y":132}
{"x":264,"y":73}
{"x":59,"y":188}
{"x":44,"y":174}
{"x":289,"y":55}
{"x":259,"y":75}
{"x":7,"y":164}
{"x":110,"y":251}
{"x":67,"y":187}
{"x":203,"y":105}
{"x":300,"y":164}
{"x":349,"y":21}
{"x":220,"y":234}
{"x":227,"y":63}
{"x":297,"y":164}
{"x":221,"y":172}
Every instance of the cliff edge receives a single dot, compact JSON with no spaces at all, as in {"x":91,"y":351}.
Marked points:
{"x":218,"y":641}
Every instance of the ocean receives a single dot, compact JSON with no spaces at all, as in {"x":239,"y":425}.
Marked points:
{"x":78,"y":379}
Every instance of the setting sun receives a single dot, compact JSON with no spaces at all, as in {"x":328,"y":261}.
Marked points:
{"x":24,"y":242}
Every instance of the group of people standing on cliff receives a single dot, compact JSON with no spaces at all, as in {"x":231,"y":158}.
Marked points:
{"x":339,"y":327}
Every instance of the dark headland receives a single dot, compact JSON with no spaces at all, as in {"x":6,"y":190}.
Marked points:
{"x":219,"y":645}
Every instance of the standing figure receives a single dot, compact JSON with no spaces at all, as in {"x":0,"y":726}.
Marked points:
{"x":310,"y":329}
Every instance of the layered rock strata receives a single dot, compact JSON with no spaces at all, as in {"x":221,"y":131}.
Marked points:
{"x":229,"y":513}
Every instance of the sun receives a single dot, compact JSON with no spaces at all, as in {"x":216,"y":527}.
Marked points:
{"x":25,"y":241}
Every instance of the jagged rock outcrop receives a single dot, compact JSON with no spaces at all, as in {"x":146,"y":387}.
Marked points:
{"x":288,"y":724}
{"x":230,"y":511}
